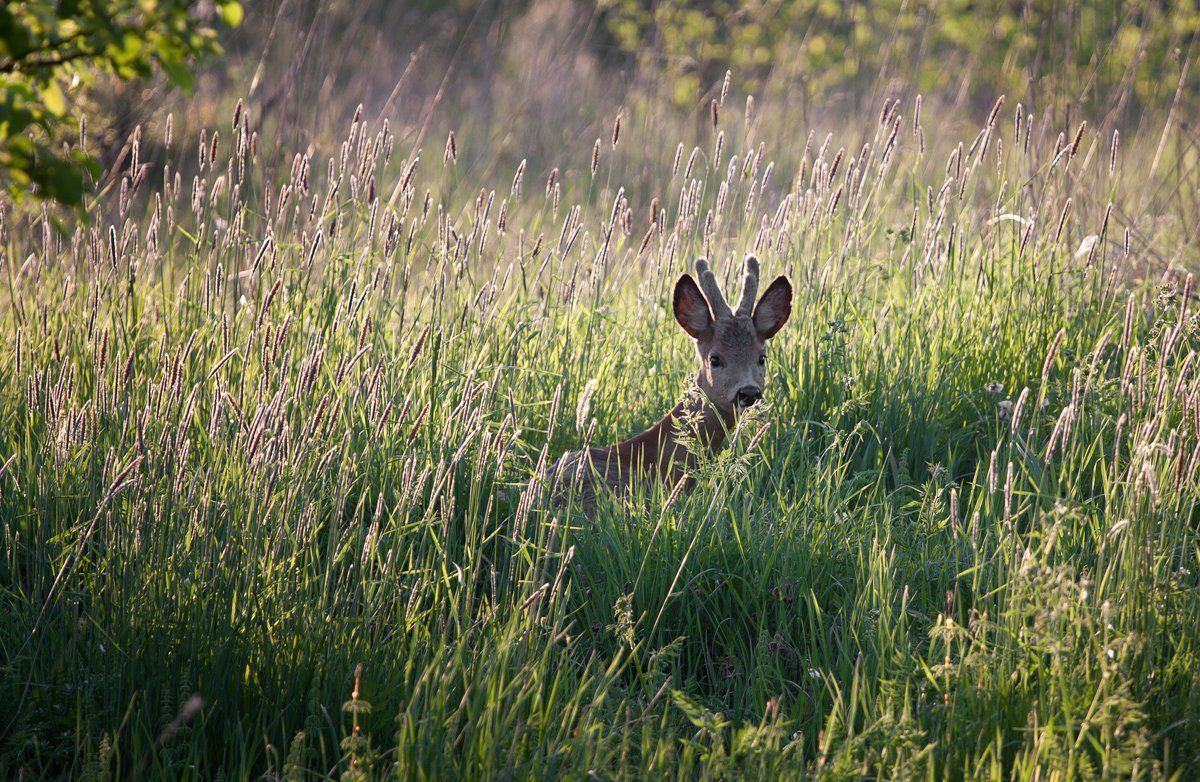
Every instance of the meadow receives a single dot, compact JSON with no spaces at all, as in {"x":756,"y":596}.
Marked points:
{"x":272,"y":423}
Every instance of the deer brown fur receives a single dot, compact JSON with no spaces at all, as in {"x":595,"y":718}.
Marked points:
{"x":730,"y":348}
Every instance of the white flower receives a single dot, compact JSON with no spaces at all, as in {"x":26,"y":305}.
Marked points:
{"x":1005,"y":409}
{"x":1009,"y":216}
{"x":995,"y":388}
{"x":1085,"y":247}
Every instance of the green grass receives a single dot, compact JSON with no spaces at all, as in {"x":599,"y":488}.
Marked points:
{"x":244,"y":448}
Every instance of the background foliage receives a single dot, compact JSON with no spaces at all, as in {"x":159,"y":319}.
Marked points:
{"x":1085,"y":53}
{"x":50,"y":55}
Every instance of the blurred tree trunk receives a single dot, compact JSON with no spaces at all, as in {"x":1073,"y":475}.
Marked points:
{"x":710,"y":74}
{"x":487,"y":25}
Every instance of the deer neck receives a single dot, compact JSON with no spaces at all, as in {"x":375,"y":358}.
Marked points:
{"x":711,"y":427}
{"x":660,"y":448}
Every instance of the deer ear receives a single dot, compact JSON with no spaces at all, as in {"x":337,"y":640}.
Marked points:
{"x":691,"y":308}
{"x":773,"y":309}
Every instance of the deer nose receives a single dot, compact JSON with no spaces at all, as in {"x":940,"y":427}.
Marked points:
{"x":749,"y":395}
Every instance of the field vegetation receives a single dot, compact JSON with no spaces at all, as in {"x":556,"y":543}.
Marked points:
{"x":277,"y":405}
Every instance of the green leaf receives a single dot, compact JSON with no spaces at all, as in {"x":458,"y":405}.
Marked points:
{"x":232,"y":13}
{"x":52,"y":97}
{"x":179,"y":73}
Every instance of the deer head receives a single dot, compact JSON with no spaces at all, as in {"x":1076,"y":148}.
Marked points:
{"x":731,"y":345}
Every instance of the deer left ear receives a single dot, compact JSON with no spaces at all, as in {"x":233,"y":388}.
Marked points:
{"x":773,"y":309}
{"x":691,"y":308}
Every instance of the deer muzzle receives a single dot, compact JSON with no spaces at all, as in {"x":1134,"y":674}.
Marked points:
{"x":748,"y":396}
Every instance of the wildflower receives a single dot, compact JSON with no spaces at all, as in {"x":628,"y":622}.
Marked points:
{"x":1005,"y":409}
{"x":1087,"y":246}
{"x":995,"y":388}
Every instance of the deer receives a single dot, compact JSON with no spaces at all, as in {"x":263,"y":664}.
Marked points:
{"x":731,"y":351}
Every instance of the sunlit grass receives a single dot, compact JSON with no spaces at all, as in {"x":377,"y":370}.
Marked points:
{"x":267,"y":427}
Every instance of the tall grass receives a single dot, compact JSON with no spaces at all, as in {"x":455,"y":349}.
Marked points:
{"x":266,"y":424}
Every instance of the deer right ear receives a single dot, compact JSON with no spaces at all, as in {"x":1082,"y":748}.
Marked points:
{"x":773,"y":309}
{"x":691,"y":308}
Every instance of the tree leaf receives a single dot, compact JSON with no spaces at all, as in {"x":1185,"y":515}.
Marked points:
{"x":179,"y":73}
{"x":232,"y":13}
{"x":53,"y":99}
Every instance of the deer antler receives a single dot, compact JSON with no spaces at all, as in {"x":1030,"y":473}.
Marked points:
{"x":749,"y":287}
{"x":708,"y":284}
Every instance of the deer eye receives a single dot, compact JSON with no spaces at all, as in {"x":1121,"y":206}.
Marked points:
{"x":715,"y":361}
{"x":762,"y":359}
